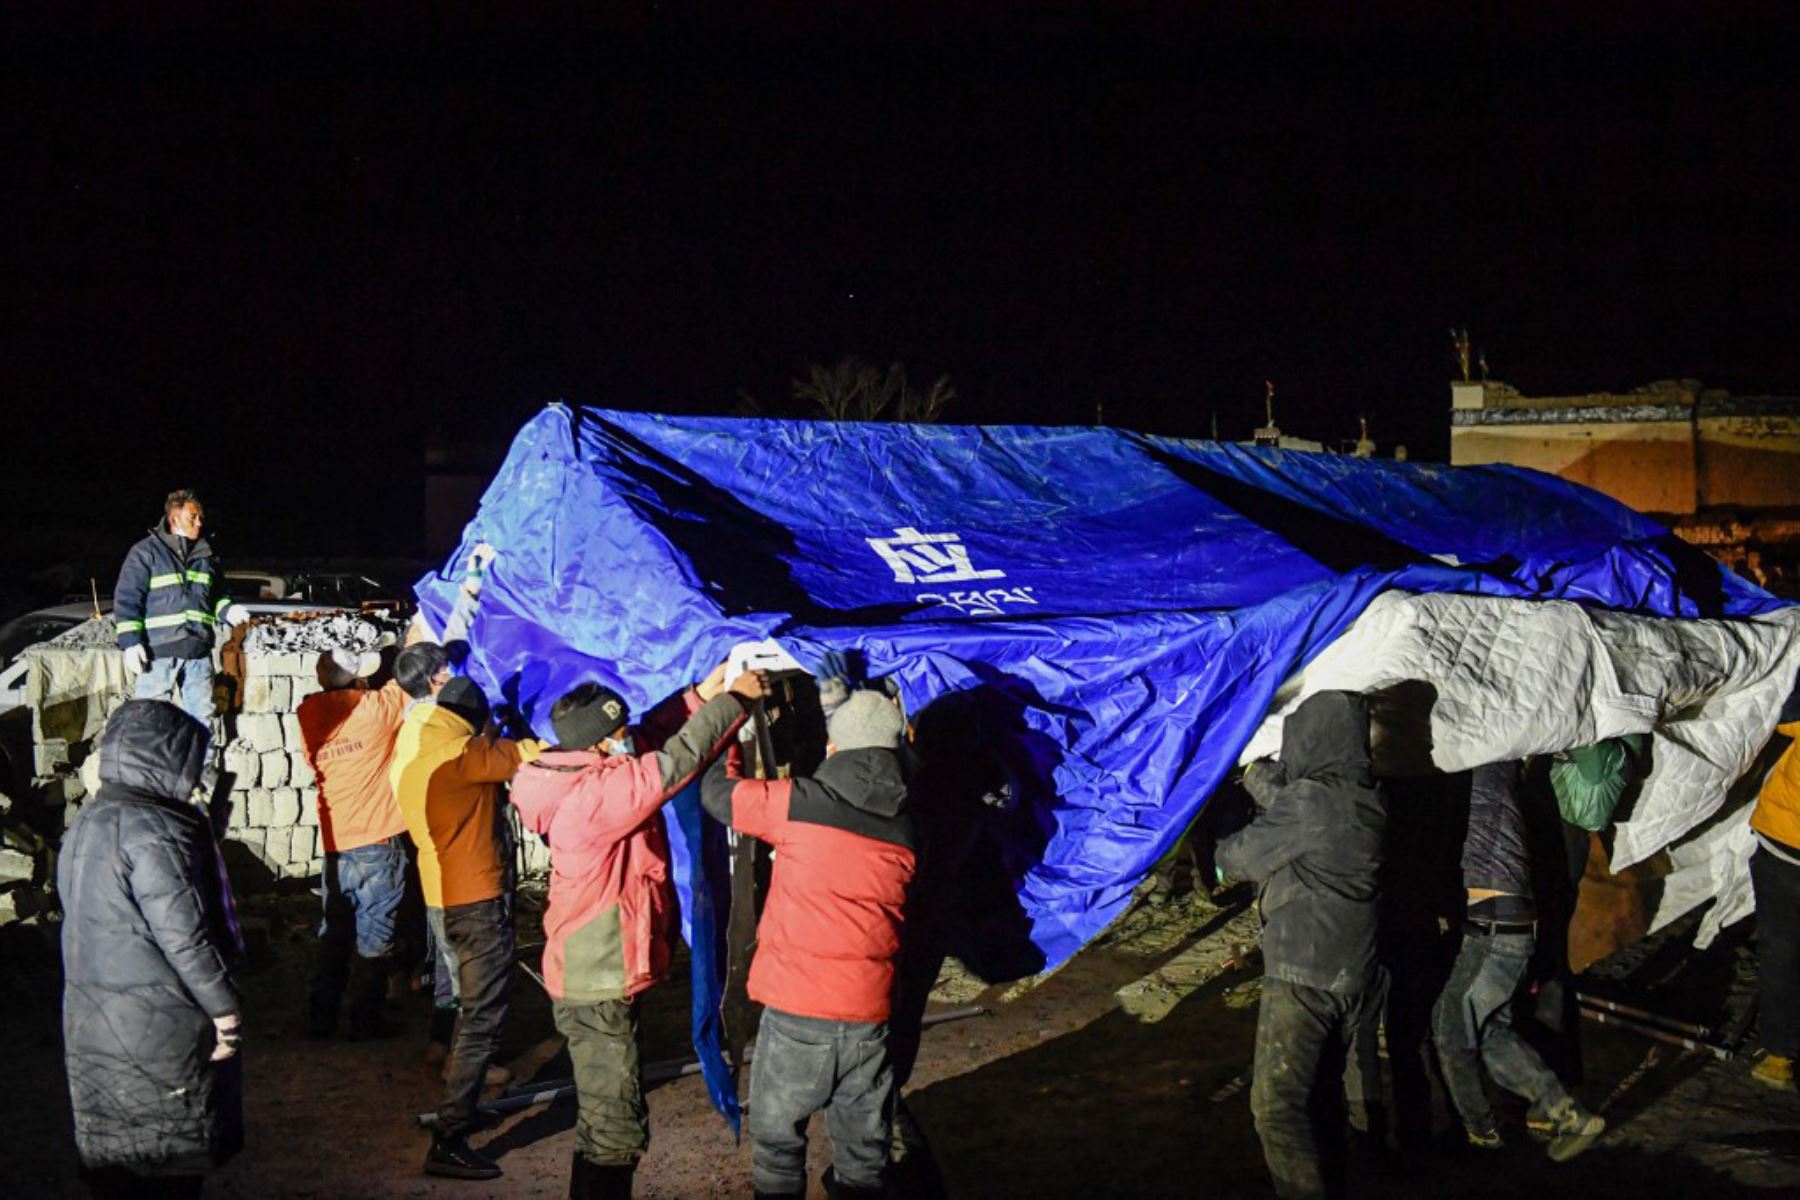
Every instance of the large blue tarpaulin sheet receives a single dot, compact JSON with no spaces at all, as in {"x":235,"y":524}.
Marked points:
{"x":1124,"y":605}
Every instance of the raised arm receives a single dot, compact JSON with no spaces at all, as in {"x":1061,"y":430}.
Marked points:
{"x":758,"y":807}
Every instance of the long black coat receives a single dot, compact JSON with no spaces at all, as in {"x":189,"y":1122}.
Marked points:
{"x":1316,"y":848}
{"x":144,"y":957}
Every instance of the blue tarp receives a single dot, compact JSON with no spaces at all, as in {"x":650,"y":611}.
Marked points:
{"x":1124,"y":605}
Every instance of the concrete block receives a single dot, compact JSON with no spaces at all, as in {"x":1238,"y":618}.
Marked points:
{"x":290,"y":733}
{"x":267,"y":694}
{"x":250,"y":839}
{"x":285,"y":810}
{"x":300,"y":772}
{"x":301,"y":846}
{"x":260,"y":808}
{"x":16,"y":867}
{"x":276,"y":843}
{"x":275,"y":769}
{"x":309,"y":808}
{"x":262,"y":731}
{"x":240,"y":810}
{"x":278,"y":664}
{"x":48,"y":755}
{"x":304,"y":686}
{"x":244,"y":763}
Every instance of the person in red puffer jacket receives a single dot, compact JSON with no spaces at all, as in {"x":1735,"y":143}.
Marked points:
{"x":609,"y":928}
{"x":825,"y":947}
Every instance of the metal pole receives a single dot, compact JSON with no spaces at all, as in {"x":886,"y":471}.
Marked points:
{"x":1661,"y":1035}
{"x":1625,"y":1010}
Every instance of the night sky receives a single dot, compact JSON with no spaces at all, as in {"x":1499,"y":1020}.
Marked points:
{"x":269,"y":262}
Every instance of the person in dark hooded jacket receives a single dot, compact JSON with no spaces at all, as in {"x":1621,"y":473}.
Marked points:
{"x":825,"y":947}
{"x":1315,"y":852}
{"x":151,"y":1017}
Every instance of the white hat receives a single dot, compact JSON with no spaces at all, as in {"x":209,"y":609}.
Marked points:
{"x":341,"y":667}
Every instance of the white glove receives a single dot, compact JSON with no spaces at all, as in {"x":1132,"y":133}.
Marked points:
{"x":480,"y":557}
{"x":137,"y":658}
{"x":235,"y":614}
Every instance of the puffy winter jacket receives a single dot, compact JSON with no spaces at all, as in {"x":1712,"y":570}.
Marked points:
{"x":1777,"y":814}
{"x":1496,"y":847}
{"x":1316,"y":849}
{"x":609,"y":927}
{"x":169,"y":596}
{"x":447,"y":778}
{"x":144,"y":957}
{"x":843,"y":843}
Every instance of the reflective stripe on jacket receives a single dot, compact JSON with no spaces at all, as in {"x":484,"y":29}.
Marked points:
{"x":166,"y":600}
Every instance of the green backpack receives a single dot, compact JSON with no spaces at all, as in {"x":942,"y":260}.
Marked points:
{"x":1589,"y":781}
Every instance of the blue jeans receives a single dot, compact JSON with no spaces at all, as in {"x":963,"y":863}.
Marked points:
{"x":1472,"y":1025}
{"x":186,"y":681}
{"x":803,"y":1064}
{"x":363,"y":890}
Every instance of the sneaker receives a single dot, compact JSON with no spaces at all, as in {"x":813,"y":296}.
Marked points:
{"x":1573,"y":1129}
{"x":454,"y":1158}
{"x":1486,"y":1139}
{"x":1774,"y":1071}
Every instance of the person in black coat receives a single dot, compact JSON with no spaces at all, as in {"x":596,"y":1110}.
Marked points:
{"x":151,"y":1017}
{"x":1315,"y":852}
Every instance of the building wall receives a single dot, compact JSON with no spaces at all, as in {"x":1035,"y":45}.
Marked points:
{"x":1649,"y":465}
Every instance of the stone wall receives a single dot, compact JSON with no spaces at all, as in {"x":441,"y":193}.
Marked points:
{"x":274,"y":807}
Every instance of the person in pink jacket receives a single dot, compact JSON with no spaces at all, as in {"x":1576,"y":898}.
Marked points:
{"x":610,"y":926}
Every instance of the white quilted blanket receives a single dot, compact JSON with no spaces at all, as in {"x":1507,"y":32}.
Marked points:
{"x":1520,"y":677}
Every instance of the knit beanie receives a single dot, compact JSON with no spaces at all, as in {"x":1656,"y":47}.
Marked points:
{"x":867,"y":719}
{"x":587,"y":715}
{"x":462,"y":697}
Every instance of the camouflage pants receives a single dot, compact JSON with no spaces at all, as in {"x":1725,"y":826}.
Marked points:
{"x":613,"y":1125}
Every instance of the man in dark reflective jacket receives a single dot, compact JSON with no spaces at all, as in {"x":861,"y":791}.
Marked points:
{"x":1315,"y":852}
{"x":151,"y":1017}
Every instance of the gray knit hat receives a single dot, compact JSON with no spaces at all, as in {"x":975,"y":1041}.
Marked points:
{"x":867,"y":719}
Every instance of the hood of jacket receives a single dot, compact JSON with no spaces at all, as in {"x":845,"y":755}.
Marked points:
{"x":534,"y":789}
{"x":1326,"y":740}
{"x":868,"y":780}
{"x":153,"y":746}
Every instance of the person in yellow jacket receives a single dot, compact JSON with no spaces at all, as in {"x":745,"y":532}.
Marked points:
{"x":447,"y":772}
{"x":1775,"y":875}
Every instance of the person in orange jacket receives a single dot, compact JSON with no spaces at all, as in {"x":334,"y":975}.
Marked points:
{"x":348,"y":731}
{"x":447,"y":772}
{"x":609,"y":926}
{"x":1775,"y":876}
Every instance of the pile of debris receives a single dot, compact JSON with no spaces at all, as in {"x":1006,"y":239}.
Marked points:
{"x":315,"y":633}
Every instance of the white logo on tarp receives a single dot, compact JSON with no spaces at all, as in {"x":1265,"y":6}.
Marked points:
{"x":928,"y":557}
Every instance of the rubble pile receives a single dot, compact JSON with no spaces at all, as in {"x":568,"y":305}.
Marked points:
{"x":96,"y":633}
{"x":316,"y":633}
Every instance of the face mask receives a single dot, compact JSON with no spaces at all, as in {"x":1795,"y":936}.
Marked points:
{"x":624,"y":744}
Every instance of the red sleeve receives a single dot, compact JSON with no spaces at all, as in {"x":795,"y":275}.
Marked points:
{"x":758,"y":807}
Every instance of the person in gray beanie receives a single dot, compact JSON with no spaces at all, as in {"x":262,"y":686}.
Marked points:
{"x":825,"y":946}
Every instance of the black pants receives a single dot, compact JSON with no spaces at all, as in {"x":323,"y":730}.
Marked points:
{"x":478,"y":945}
{"x":1303,"y":1044}
{"x":1777,"y":886}
{"x":612,"y":1126}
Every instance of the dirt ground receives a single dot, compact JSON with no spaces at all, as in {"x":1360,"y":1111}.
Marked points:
{"x":1124,"y":1074}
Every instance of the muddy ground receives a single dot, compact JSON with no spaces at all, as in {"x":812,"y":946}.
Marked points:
{"x":1124,"y":1074}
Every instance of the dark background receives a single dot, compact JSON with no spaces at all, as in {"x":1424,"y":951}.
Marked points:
{"x":268,"y":262}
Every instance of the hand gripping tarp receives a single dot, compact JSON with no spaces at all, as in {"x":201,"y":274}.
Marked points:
{"x":1122,"y":606}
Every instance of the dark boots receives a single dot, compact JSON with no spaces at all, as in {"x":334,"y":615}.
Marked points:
{"x":600,"y":1181}
{"x":454,"y":1158}
{"x":368,"y":999}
